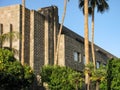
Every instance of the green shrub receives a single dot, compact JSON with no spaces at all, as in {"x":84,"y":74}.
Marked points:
{"x":13,"y":75}
{"x":60,"y":78}
{"x":113,"y":74}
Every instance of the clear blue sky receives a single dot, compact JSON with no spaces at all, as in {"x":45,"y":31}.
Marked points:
{"x":107,"y":25}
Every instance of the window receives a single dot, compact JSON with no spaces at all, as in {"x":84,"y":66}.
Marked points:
{"x":84,"y":59}
{"x":98,"y":64}
{"x":77,"y":56}
{"x":104,"y":65}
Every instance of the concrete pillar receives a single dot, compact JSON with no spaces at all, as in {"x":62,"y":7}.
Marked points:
{"x":11,"y":30}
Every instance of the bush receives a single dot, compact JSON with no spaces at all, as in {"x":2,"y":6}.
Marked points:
{"x":60,"y":78}
{"x":113,"y":74}
{"x":12,"y":74}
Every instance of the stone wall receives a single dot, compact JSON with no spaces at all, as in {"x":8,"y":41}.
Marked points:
{"x":68,"y":46}
{"x":10,"y":21}
{"x":72,"y":46}
{"x":37,"y":41}
{"x":27,"y":36}
{"x":51,"y":32}
{"x":40,"y":38}
{"x":72,"y":42}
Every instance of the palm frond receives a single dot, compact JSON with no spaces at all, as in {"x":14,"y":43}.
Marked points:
{"x":10,"y":35}
{"x":99,"y":74}
{"x":102,"y":6}
{"x":81,"y":5}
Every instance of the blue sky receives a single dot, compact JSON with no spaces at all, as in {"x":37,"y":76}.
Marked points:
{"x":107,"y":25}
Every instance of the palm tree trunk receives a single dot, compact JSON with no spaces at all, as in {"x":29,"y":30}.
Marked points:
{"x":1,"y":32}
{"x":92,"y":46}
{"x":97,"y":85}
{"x":86,"y":40}
{"x":92,"y":42}
{"x":76,"y":86}
{"x":23,"y":30}
{"x":59,"y":34}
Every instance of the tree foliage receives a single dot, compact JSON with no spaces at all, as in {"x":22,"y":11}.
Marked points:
{"x":108,"y":77}
{"x":61,"y":78}
{"x":98,"y":75}
{"x":12,"y":74}
{"x":113,"y":74}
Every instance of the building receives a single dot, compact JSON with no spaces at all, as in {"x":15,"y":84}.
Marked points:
{"x":39,"y":31}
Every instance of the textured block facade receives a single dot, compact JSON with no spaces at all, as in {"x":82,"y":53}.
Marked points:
{"x":36,"y":41}
{"x":73,"y":43}
{"x":10,"y":18}
{"x":40,"y":38}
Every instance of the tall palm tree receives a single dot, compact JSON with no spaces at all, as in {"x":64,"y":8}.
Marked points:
{"x":84,"y":4}
{"x":59,"y":34}
{"x":97,"y":75}
{"x":101,"y":7}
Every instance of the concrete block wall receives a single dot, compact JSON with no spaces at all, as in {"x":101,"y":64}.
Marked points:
{"x":71,"y":46}
{"x":41,"y":30}
{"x":51,"y":31}
{"x":37,"y":41}
{"x":27,"y":36}
{"x":10,"y":19}
{"x":75,"y":43}
{"x":102,"y":56}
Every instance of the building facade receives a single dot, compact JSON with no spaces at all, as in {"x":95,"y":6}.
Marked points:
{"x":40,"y":36}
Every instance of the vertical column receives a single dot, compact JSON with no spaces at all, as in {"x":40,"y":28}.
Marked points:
{"x":46,"y":42}
{"x":23,"y":32}
{"x":11,"y":36}
{"x":32,"y":39}
{"x":1,"y":31}
{"x":55,"y":16}
{"x":23,"y":3}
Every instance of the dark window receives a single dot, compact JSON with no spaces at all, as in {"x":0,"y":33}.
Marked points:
{"x":97,"y":64}
{"x":84,"y":60}
{"x":77,"y":56}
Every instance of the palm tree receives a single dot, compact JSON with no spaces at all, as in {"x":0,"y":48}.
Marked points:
{"x":59,"y":34}
{"x":96,"y":75}
{"x":7,"y":37}
{"x":76,"y":80}
{"x":86,"y":40}
{"x":101,"y":7}
{"x":99,"y":75}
